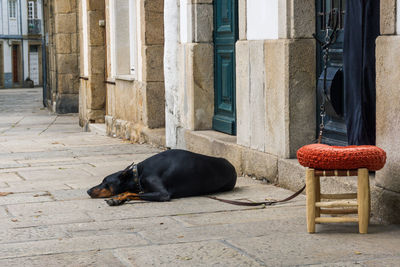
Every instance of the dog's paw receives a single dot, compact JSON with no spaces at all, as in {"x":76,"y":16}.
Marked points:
{"x":114,"y":202}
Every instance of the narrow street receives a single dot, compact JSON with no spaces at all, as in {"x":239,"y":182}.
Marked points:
{"x":47,"y":163}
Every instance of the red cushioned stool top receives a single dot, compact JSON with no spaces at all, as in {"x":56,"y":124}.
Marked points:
{"x":324,"y":157}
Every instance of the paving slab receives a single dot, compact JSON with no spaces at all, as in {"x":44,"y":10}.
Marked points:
{"x":77,"y":259}
{"x":210,"y":253}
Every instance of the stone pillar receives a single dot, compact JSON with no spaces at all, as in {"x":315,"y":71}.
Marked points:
{"x":171,"y":44}
{"x":61,"y":24}
{"x":386,"y":194}
{"x":152,"y":23}
{"x":92,"y":87}
{"x":197,"y":57}
{"x":276,"y":80}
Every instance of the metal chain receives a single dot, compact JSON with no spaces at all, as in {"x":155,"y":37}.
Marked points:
{"x":322,"y":106}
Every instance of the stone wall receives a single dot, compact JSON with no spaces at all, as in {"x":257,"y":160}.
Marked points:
{"x":387,"y":191}
{"x":62,"y":54}
{"x":135,"y":103}
{"x":92,"y":91}
{"x":275,"y":89}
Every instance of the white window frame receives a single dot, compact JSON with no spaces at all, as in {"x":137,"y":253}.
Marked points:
{"x":112,"y":39}
{"x":85,"y":39}
{"x":12,"y":9}
{"x":120,"y":40}
{"x":133,"y":37}
{"x":32,"y":9}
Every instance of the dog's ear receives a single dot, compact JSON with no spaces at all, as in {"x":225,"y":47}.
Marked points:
{"x":127,"y":168}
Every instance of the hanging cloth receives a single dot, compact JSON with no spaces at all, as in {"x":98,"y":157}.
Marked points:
{"x":360,"y":31}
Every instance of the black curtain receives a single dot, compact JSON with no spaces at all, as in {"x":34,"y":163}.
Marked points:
{"x":361,"y":30}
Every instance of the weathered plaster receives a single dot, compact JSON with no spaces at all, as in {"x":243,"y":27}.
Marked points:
{"x":171,"y":70}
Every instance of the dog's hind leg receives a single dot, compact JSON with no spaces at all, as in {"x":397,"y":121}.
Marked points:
{"x":155,"y":196}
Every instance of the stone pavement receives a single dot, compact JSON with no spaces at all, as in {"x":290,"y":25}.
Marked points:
{"x":48,"y":163}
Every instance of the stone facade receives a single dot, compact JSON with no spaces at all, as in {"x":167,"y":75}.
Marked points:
{"x":387,"y":190}
{"x":62,"y":55}
{"x":92,"y":89}
{"x":135,"y":101}
{"x":275,"y":92}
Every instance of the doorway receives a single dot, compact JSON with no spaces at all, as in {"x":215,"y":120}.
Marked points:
{"x":335,"y":132}
{"x":225,"y":37}
{"x":34,"y":63}
{"x":15,"y":63}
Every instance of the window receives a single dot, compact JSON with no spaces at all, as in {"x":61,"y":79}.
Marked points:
{"x":123,"y":38}
{"x":12,"y":5}
{"x":132,"y":36}
{"x":32,"y":10}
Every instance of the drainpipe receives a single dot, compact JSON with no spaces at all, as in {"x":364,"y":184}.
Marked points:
{"x":44,"y":72}
{"x":22,"y":43}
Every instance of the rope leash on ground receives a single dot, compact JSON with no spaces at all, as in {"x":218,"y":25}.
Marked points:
{"x":267,"y":203}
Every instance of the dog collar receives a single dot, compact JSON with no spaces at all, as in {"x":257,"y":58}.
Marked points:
{"x":136,"y":179}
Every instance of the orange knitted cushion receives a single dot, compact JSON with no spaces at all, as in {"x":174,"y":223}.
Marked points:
{"x":324,"y":157}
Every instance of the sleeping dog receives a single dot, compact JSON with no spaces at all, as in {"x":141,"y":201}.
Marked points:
{"x":170,"y":174}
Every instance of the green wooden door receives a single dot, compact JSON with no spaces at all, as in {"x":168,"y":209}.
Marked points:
{"x":335,"y":132}
{"x":225,"y":36}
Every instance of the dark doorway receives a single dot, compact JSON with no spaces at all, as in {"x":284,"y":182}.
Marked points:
{"x":335,"y":127}
{"x":225,"y":37}
{"x":15,"y":63}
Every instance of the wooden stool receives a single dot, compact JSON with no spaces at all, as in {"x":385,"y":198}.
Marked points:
{"x":338,"y":203}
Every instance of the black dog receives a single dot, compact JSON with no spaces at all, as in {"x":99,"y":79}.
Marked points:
{"x":170,"y":174}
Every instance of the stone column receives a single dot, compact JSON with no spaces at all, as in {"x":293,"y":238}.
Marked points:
{"x":197,"y":57}
{"x":65,"y":86}
{"x":171,"y":69}
{"x":386,"y":194}
{"x":92,"y":87}
{"x":276,"y":79}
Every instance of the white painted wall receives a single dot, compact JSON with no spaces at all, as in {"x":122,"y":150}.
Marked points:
{"x":184,"y":21}
{"x":171,"y":70}
{"x":26,"y":59}
{"x":398,"y":18}
{"x":24,"y":12}
{"x":2,"y":16}
{"x":262,"y":19}
{"x":7,"y":58}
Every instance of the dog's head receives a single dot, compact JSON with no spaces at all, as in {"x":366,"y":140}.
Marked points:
{"x":114,"y":184}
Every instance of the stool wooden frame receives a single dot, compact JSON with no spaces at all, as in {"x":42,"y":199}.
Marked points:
{"x":338,"y":203}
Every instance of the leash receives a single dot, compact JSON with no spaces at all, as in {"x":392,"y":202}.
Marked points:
{"x":267,"y":203}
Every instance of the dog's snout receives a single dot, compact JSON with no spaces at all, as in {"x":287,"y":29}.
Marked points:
{"x":89,"y":192}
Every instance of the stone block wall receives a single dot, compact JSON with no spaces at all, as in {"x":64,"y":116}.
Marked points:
{"x":92,"y":87}
{"x":276,"y":79}
{"x":196,"y":58}
{"x":136,"y":103}
{"x":62,"y":53}
{"x":387,"y":190}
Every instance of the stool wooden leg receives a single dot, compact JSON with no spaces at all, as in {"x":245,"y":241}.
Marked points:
{"x":310,"y":203}
{"x":363,"y":200}
{"x":317,"y":195}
